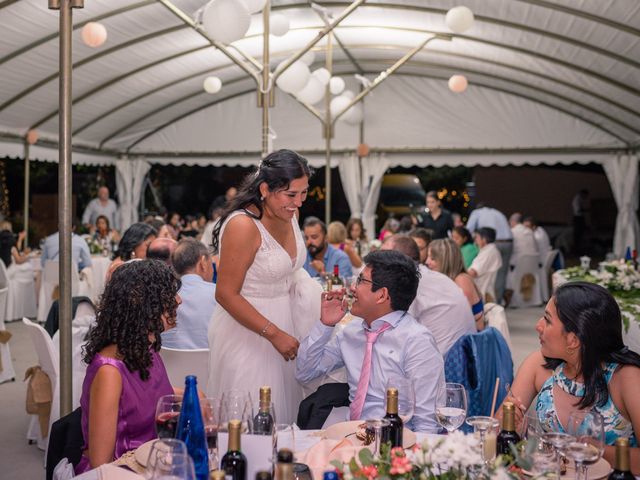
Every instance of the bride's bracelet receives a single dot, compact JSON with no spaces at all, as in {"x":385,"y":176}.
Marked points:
{"x":263,"y":332}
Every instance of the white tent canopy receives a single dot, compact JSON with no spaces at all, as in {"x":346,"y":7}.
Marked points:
{"x":550,"y":81}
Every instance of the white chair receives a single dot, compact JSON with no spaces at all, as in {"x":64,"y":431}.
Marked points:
{"x":7,"y":373}
{"x":545,"y":274}
{"x":21,"y":297}
{"x":527,"y":268}
{"x":486,"y":284}
{"x":180,"y":363}
{"x":49,"y":361}
{"x":496,"y":317}
{"x":50,"y":280}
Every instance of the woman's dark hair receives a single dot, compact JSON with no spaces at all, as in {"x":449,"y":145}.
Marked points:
{"x":397,"y":273}
{"x":433,"y":194}
{"x":135,"y":299}
{"x":7,"y":242}
{"x":363,"y":232}
{"x":464,"y":233}
{"x":106,"y":219}
{"x":277,"y":170}
{"x":132,"y":237}
{"x":591,"y":313}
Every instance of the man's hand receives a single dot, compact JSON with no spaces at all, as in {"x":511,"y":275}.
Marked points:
{"x":318,"y":265}
{"x":331,"y":308}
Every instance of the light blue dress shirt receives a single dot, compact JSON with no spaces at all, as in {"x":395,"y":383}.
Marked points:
{"x":79,"y":250}
{"x":194,"y":313}
{"x":406,"y":349}
{"x":331,"y":257}
{"x":490,"y":217}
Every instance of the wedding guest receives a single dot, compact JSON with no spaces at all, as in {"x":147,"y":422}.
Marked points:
{"x":422,"y":237}
{"x":337,"y":238}
{"x":104,"y":235}
{"x":485,"y":266}
{"x":161,"y":249}
{"x":358,"y":235}
{"x":389,"y":228}
{"x":321,"y":257}
{"x":583,"y":364}
{"x":102,"y":205}
{"x":13,"y":253}
{"x":382,"y":294}
{"x":524,"y":244}
{"x":133,"y":245}
{"x":125,"y":376}
{"x":79,"y":249}
{"x":464,"y":240}
{"x":540,"y":236}
{"x":221,"y":201}
{"x":437,"y":219}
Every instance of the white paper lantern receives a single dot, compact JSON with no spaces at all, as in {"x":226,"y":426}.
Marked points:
{"x":254,"y":6}
{"x":459,"y":19}
{"x":94,"y":34}
{"x":336,"y":85}
{"x":308,"y":58}
{"x":278,"y":25}
{"x":226,"y":20}
{"x":323,"y":75}
{"x":212,"y":85}
{"x":313,"y":91}
{"x":349,"y":94}
{"x":337,"y":105}
{"x":354,"y":115}
{"x":294,"y":78}
{"x":458,"y":83}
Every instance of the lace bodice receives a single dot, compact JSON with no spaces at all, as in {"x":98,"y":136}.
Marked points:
{"x":271,"y":271}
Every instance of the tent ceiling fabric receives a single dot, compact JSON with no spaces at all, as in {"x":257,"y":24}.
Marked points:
{"x":542,"y":74}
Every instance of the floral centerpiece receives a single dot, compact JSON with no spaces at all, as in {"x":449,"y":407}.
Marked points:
{"x":621,"y":279}
{"x":95,"y":247}
{"x":455,"y":456}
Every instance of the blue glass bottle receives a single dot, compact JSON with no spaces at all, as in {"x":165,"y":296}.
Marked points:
{"x":330,"y":475}
{"x":191,"y":429}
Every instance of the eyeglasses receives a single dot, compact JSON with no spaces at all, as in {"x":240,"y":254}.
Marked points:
{"x":361,"y":279}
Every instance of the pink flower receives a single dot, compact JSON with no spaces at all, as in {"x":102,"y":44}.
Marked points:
{"x":369,"y":472}
{"x":400,"y":464}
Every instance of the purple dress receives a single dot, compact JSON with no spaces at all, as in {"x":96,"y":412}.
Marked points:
{"x":136,"y":412}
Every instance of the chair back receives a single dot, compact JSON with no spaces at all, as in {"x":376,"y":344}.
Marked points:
{"x":4,"y":277}
{"x":45,"y":350}
{"x":525,"y":281}
{"x":545,"y":274}
{"x":6,"y":372}
{"x":496,"y":317}
{"x":180,"y":362}
{"x":50,"y":280}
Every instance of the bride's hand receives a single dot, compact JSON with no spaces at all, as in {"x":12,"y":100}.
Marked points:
{"x":285,"y":344}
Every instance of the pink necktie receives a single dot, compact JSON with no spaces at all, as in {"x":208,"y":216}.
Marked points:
{"x":365,"y":372}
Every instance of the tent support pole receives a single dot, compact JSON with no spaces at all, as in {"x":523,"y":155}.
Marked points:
{"x":264,"y":95}
{"x":26,"y":194}
{"x":328,"y":132}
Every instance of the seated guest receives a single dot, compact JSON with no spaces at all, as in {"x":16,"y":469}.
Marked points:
{"x":484,"y":268}
{"x":382,"y":295}
{"x":358,"y":235}
{"x":15,"y":259}
{"x":583,"y":364}
{"x":440,"y":304}
{"x":133,"y":245}
{"x":104,"y":235}
{"x":337,"y":238}
{"x":161,"y":249}
{"x":79,"y":249}
{"x":540,"y":236}
{"x":464,"y":240}
{"x":445,"y":257}
{"x":422,"y":237}
{"x":192,"y":262}
{"x":524,"y":244}
{"x":321,"y":257}
{"x":125,"y":375}
{"x":390,"y":227}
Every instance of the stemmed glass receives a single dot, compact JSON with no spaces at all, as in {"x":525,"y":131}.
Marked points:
{"x":348,"y":282}
{"x":172,"y":466}
{"x":161,"y":452}
{"x":210,"y":407}
{"x":587,"y":446}
{"x":451,"y":406}
{"x":406,"y":396}
{"x":482,"y":425}
{"x":236,"y":405}
{"x":167,"y":413}
{"x":376,"y":425}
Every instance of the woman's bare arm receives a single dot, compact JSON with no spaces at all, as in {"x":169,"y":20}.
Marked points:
{"x":104,"y":402}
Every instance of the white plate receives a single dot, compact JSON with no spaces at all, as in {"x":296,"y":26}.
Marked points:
{"x":141,"y":453}
{"x":342,"y":429}
{"x":600,"y":469}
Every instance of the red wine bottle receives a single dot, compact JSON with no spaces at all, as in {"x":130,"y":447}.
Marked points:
{"x":508,"y":435}
{"x":622,"y":469}
{"x":392,"y":433}
{"x":234,"y":463}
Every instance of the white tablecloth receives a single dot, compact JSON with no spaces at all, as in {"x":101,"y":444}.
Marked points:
{"x":100,"y":265}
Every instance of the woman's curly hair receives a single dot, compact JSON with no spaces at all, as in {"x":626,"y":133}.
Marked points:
{"x":136,"y":297}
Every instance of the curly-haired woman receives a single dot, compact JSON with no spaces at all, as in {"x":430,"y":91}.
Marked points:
{"x":125,"y":375}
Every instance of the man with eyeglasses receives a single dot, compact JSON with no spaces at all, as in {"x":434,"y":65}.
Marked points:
{"x":387,"y":342}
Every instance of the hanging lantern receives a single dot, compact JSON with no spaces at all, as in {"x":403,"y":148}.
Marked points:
{"x":278,"y":25}
{"x":313,"y":91}
{"x":363,"y":150}
{"x":94,"y":34}
{"x":32,"y":136}
{"x":294,"y":78}
{"x":323,"y":75}
{"x":458,"y":83}
{"x":338,"y":104}
{"x":308,"y":58}
{"x":336,"y":85}
{"x":226,"y":20}
{"x":459,"y":19}
{"x":254,"y":6}
{"x":212,"y":85}
{"x":354,"y":115}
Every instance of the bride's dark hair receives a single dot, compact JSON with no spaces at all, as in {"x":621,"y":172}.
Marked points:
{"x":277,"y":170}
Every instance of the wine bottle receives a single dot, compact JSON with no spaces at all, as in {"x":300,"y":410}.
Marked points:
{"x":336,"y":282}
{"x":392,"y":433}
{"x":191,"y":429}
{"x":263,"y":475}
{"x":216,"y":475}
{"x":508,"y":435}
{"x":284,"y":467}
{"x":263,"y":421}
{"x":622,"y":466}
{"x":234,"y":463}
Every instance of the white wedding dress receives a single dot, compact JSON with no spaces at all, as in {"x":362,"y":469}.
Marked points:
{"x":242,"y":359}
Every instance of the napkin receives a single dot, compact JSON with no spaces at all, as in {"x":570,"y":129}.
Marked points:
{"x":319,"y":456}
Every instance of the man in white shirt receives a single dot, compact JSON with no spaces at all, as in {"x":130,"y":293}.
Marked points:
{"x":440,"y":305}
{"x":382,"y":294}
{"x":541,"y":237}
{"x":485,"y":266}
{"x":102,"y":205}
{"x":191,"y":260}
{"x":524,"y":244}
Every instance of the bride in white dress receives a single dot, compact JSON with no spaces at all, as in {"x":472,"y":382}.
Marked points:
{"x":251,"y":334}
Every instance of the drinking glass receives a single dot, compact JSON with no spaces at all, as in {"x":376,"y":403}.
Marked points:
{"x":236,"y":405}
{"x":486,"y":428}
{"x":171,"y":466}
{"x":167,"y":413}
{"x":530,"y":429}
{"x":406,"y":396}
{"x":211,"y":419}
{"x":451,"y":406}
{"x":348,"y":281}
{"x":587,"y":446}
{"x":376,"y":425}
{"x":544,"y":464}
{"x":162,"y":449}
{"x":285,"y":437}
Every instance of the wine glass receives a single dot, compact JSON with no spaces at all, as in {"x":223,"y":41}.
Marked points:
{"x":348,"y":282}
{"x":587,"y":446}
{"x":285,"y":436}
{"x":406,"y":396}
{"x":167,"y":413}
{"x":168,"y":466}
{"x":451,"y":406}
{"x":484,"y":425}
{"x":210,"y":407}
{"x":236,"y":405}
{"x":161,"y":449}
{"x":376,"y":425}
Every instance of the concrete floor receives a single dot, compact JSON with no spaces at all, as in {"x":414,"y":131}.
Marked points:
{"x":21,"y":461}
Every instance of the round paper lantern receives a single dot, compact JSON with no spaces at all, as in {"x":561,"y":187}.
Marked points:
{"x":459,"y":19}
{"x":338,"y":104}
{"x":363,"y":150}
{"x":226,"y":20}
{"x":313,"y":91}
{"x":32,"y":136}
{"x":254,"y":6}
{"x":349,"y":94}
{"x":336,"y":85}
{"x":308,"y":58}
{"x":323,"y":75}
{"x":278,"y":25}
{"x":94,"y":34}
{"x":212,"y":85}
{"x":354,"y":115}
{"x":458,"y":83}
{"x":294,"y":78}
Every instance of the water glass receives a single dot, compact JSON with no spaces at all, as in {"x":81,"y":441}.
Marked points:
{"x":486,"y":428}
{"x":236,"y":405}
{"x":170,"y":466}
{"x":587,"y":446}
{"x":376,"y":425}
{"x":167,"y":413}
{"x":544,"y":464}
{"x":210,"y":407}
{"x":285,"y":437}
{"x":406,"y":396}
{"x":451,"y":406}
{"x":160,"y":449}
{"x":531,"y":428}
